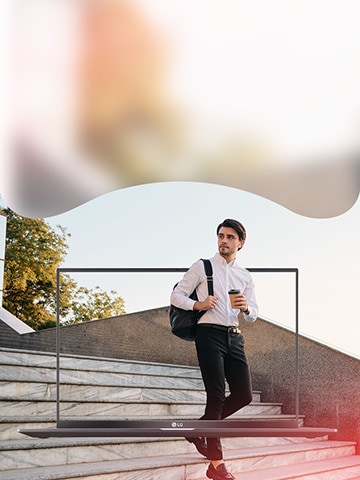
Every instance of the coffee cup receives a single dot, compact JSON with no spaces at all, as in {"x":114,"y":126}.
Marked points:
{"x":232,"y":293}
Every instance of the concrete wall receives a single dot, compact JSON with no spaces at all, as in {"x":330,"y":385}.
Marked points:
{"x":138,"y":336}
{"x":329,"y":380}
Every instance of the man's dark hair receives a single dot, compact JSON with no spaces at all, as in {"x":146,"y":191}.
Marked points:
{"x":234,"y":224}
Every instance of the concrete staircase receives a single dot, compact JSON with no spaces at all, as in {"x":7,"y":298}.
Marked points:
{"x":119,"y":389}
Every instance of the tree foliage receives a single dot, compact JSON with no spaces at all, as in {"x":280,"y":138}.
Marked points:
{"x":33,"y":253}
{"x":93,"y":303}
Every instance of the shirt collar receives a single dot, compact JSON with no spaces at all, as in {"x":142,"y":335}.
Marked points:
{"x":222,"y":260}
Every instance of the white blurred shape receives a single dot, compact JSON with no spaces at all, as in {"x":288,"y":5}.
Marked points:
{"x":284,"y":74}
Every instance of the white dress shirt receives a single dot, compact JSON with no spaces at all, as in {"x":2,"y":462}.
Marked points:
{"x":225,"y":276}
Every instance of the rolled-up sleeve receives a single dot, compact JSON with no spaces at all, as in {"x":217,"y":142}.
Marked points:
{"x":190,"y":281}
{"x":249,"y":293}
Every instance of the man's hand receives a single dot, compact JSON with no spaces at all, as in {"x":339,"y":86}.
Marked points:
{"x":240,"y":302}
{"x":207,"y":304}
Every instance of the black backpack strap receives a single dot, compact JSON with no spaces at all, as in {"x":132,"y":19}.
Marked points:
{"x":209,"y":277}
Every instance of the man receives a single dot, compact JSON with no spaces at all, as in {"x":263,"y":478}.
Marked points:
{"x":219,"y":343}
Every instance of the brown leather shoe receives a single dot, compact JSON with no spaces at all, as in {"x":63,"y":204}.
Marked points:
{"x":200,"y":445}
{"x":219,"y":473}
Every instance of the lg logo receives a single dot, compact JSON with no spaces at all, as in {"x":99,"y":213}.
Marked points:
{"x":177,"y":424}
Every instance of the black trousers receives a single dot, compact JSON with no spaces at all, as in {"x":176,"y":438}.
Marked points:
{"x":222,"y":359}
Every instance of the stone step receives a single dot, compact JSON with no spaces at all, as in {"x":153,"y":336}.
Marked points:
{"x":343,"y":468}
{"x":28,"y":358}
{"x":9,"y":426}
{"x":136,"y":404}
{"x":36,"y":453}
{"x":125,"y":390}
{"x":70,"y":393}
{"x":20,"y":390}
{"x":310,"y":461}
{"x":16,"y":373}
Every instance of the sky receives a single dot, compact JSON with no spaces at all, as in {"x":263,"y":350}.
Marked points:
{"x":174,"y":224}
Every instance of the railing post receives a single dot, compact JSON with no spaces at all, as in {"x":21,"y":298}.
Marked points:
{"x":57,"y":346}
{"x":297,"y":366}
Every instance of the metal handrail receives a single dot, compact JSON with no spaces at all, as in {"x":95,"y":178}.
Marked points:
{"x":172,"y":270}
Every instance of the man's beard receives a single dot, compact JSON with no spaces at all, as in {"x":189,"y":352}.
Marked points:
{"x":225,"y":251}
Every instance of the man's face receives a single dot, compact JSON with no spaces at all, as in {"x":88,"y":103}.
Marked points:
{"x":229,"y":243}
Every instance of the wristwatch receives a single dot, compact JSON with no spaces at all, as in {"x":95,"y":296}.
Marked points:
{"x":247,"y":311}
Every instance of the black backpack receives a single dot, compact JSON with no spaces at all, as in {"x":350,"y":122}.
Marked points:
{"x":184,"y":322}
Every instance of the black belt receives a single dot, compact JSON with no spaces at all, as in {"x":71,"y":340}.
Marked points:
{"x":231,"y":329}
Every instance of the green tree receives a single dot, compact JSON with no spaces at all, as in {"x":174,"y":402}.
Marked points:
{"x":33,"y":253}
{"x":88,"y":304}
